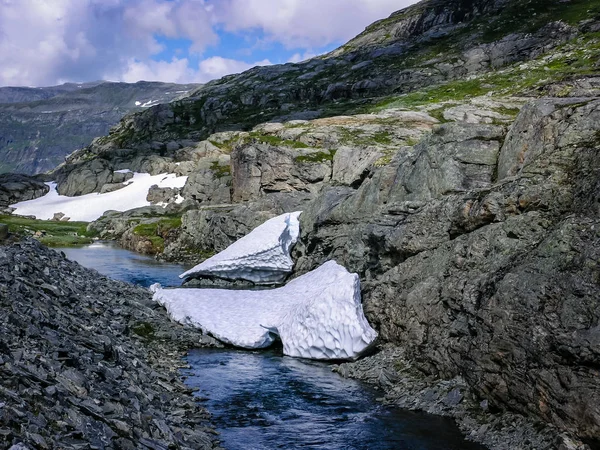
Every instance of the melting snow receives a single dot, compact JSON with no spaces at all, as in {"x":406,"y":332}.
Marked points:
{"x":91,"y":206}
{"x":318,"y":315}
{"x":263,"y":256}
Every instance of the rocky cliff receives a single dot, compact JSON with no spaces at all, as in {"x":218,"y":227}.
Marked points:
{"x":450,"y":155}
{"x":40,"y":126}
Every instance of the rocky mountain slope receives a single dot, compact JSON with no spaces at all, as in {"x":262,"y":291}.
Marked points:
{"x":86,"y":361}
{"x":450,"y":155}
{"x":40,"y":126}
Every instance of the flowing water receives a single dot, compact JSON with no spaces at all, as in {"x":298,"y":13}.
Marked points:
{"x":261,"y":400}
{"x":111,"y":260}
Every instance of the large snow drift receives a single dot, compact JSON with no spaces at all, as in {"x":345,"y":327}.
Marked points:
{"x":318,"y":315}
{"x":262,"y":256}
{"x":91,"y":206}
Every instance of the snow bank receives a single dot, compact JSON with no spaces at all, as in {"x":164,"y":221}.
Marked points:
{"x":318,"y":315}
{"x":91,"y":206}
{"x":262,"y":256}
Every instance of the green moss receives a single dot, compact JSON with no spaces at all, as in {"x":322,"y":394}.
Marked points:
{"x":156,"y":231}
{"x":574,"y":59}
{"x":385,"y":159}
{"x":316,"y":157}
{"x":53,"y":234}
{"x":143,"y":329}
{"x":160,"y":227}
{"x":220,"y":171}
{"x":528,"y":16}
{"x":360,"y":137}
{"x":227,"y":145}
{"x":276,"y":141}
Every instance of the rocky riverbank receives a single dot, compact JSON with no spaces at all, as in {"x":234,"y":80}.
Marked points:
{"x":403,"y":385}
{"x":88,"y":362}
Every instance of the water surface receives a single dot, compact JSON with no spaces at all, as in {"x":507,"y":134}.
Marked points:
{"x":120,"y":264}
{"x":261,"y":400}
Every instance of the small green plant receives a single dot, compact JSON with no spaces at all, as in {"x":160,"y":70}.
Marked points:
{"x":48,"y":232}
{"x":219,"y":170}
{"x":317,"y":157}
{"x":276,"y":141}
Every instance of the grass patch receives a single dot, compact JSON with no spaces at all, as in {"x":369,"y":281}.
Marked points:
{"x":276,"y":141}
{"x":573,"y":59}
{"x":159,"y":227}
{"x":143,"y":329}
{"x":317,"y":157}
{"x":52,"y":234}
{"x":219,"y":170}
{"x":359,"y":137}
{"x":156,"y":232}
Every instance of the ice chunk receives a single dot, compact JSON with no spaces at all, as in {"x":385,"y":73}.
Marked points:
{"x":262,"y":256}
{"x":318,"y":315}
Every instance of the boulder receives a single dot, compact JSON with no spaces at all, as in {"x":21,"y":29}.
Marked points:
{"x":15,"y":188}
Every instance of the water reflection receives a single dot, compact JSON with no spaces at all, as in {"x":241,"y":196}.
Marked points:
{"x":120,"y":264}
{"x":261,"y":400}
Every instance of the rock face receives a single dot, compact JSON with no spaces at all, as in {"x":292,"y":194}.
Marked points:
{"x":262,"y":168}
{"x":89,"y":361}
{"x":16,"y":188}
{"x":41,"y":126}
{"x":490,"y":274}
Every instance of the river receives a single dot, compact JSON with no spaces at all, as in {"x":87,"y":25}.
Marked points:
{"x":262,"y":400}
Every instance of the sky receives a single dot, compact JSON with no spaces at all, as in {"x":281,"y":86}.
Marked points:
{"x":50,"y":42}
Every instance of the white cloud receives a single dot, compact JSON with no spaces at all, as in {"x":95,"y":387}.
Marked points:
{"x":43,"y":42}
{"x":179,"y":70}
{"x":216,"y":67}
{"x":305,"y":23}
{"x":299,"y":57}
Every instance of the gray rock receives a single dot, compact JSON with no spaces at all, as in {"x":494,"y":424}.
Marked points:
{"x":491,"y":281}
{"x":259,"y":168}
{"x":3,"y":231}
{"x":162,"y":195}
{"x":89,"y":335}
{"x":352,"y":165}
{"x":16,"y":188}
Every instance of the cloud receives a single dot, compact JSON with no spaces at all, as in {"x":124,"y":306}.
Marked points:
{"x":43,"y":42}
{"x":179,"y":70}
{"x":299,"y":57}
{"x":304,"y":23}
{"x":216,"y":67}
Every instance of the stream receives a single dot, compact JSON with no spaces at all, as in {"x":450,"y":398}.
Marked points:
{"x":262,"y":400}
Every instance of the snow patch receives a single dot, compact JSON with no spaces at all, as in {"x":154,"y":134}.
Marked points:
{"x":318,"y":315}
{"x":262,"y":256}
{"x":138,"y":103}
{"x":90,"y":207}
{"x":122,"y":171}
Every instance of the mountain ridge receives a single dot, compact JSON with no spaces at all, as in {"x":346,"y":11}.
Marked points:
{"x":40,"y":126}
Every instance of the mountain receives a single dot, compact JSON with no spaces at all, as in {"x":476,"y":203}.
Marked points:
{"x":40,"y":126}
{"x":449,"y":155}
